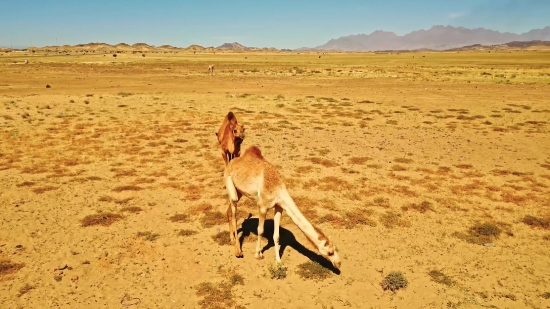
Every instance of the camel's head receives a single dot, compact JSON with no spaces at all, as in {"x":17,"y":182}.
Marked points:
{"x":238,"y":131}
{"x":329,"y":251}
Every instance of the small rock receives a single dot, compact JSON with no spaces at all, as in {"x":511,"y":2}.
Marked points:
{"x":58,"y":278}
{"x":48,"y":86}
{"x":19,"y":246}
{"x":74,"y":278}
{"x":61,"y":267}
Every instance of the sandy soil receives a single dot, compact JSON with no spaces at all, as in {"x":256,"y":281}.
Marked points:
{"x":397,"y":168}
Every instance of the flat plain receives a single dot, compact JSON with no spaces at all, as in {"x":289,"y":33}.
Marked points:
{"x":434,"y":165}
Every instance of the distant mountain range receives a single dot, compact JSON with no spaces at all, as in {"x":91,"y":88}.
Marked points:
{"x":435,"y":38}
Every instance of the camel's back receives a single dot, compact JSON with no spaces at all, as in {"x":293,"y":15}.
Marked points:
{"x":252,"y":167}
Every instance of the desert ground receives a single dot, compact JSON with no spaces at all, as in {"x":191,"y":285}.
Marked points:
{"x":429,"y":168}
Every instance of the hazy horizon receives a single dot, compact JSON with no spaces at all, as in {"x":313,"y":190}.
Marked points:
{"x":281,"y":24}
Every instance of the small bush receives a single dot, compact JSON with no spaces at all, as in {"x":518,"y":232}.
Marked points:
{"x":394,"y":281}
{"x":278,"y":271}
{"x":313,"y":271}
{"x":546,"y":295}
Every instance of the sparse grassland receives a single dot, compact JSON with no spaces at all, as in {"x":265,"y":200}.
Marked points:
{"x":404,"y":160}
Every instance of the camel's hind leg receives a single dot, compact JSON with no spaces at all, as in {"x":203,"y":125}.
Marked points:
{"x":234,"y":197}
{"x":259,"y":255}
{"x":276,"y":223}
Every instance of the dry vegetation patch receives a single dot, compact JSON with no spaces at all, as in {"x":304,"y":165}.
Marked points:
{"x":441,"y":278}
{"x":394,"y":281}
{"x":212,"y":218}
{"x":532,"y":221}
{"x":311,"y":270}
{"x":180,"y":218}
{"x":103,"y":219}
{"x":8,"y":268}
{"x":392,"y":219}
{"x":480,"y":234}
{"x":222,"y":238}
{"x":186,"y":233}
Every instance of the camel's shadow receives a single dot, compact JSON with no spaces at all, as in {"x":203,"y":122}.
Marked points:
{"x":286,"y":238}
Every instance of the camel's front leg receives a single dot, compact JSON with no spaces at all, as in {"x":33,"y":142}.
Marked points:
{"x":234,"y":197}
{"x":259,"y":255}
{"x":276,"y":223}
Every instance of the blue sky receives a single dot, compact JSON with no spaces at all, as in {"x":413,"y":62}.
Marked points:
{"x":259,"y":23}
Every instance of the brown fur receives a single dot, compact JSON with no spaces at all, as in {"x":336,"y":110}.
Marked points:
{"x":230,"y":136}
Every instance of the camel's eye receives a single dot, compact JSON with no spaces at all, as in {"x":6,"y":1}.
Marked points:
{"x":234,"y":131}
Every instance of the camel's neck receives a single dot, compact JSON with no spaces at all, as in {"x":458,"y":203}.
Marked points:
{"x":287,"y":203}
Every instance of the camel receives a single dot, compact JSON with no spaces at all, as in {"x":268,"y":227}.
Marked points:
{"x":211,"y":69}
{"x":252,"y":176}
{"x":230,"y":136}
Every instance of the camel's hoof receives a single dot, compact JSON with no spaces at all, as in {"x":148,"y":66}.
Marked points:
{"x":239,"y":254}
{"x":232,"y":242}
{"x":259,"y":256}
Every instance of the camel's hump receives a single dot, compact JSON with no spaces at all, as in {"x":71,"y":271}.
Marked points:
{"x":254,"y":151}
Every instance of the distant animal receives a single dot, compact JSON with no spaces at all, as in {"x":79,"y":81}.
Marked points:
{"x":26,"y":61}
{"x":211,"y":69}
{"x":143,"y":55}
{"x":114,"y":55}
{"x":230,"y":136}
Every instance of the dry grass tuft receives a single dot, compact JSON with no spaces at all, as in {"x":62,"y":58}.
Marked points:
{"x":103,"y":219}
{"x":404,"y":160}
{"x":480,"y":234}
{"x":26,"y":184}
{"x":350,"y":219}
{"x":439,"y":277}
{"x":311,"y":270}
{"x":422,"y":207}
{"x":392,"y":219}
{"x":199,"y":209}
{"x":222,"y":238}
{"x":532,"y":221}
{"x":43,"y":189}
{"x":398,"y":168}
{"x":8,"y":268}
{"x":394,"y":281}
{"x":127,"y":188}
{"x":216,"y":296}
{"x":212,"y":218}
{"x":304,"y":169}
{"x":25,"y":289}
{"x":359,"y":160}
{"x":277,"y":271}
{"x":150,"y":236}
{"x":381,"y":202}
{"x":180,"y":218}
{"x":186,"y":233}
{"x":132,"y":209}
